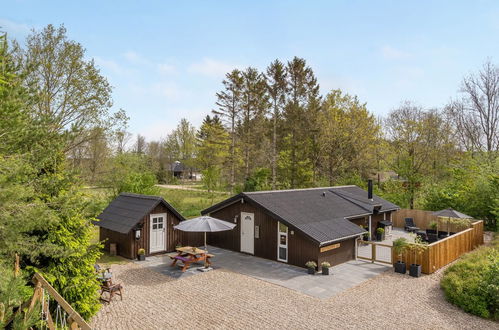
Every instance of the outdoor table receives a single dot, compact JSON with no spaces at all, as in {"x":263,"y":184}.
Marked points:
{"x":188,"y":255}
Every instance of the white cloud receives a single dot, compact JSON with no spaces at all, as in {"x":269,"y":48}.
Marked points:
{"x":211,"y":68}
{"x":111,"y":65}
{"x":165,"y":68}
{"x":135,"y":58}
{"x":391,"y":53}
{"x":13,"y":27}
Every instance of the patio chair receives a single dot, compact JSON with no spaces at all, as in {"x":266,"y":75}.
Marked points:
{"x":423,"y":235}
{"x":111,"y":289}
{"x":410,"y":226}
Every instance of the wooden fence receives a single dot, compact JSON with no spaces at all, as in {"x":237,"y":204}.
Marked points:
{"x":422,"y":219}
{"x":444,"y":251}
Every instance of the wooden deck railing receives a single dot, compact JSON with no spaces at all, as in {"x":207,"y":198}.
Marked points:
{"x":444,"y":251}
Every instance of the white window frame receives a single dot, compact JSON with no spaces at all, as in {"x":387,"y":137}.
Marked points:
{"x":279,"y":233}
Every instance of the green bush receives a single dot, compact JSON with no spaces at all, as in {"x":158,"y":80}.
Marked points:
{"x":472,"y":283}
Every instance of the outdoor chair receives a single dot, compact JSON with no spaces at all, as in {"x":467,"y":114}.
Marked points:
{"x":410,"y":226}
{"x":112,"y":289}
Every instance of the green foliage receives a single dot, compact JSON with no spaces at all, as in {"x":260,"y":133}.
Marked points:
{"x":211,"y":178}
{"x":130,"y":173}
{"x":43,"y":216}
{"x":259,"y":180}
{"x":472,"y":283}
{"x":311,"y":264}
{"x":399,"y":246}
{"x":13,"y":293}
{"x":472,"y":188}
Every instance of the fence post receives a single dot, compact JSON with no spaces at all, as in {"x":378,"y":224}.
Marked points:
{"x":373,"y":252}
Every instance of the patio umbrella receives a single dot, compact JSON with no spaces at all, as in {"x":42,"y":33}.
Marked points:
{"x":204,"y":224}
{"x":451,"y":213}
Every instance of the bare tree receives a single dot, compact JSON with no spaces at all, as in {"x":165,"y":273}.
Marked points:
{"x":140,"y":145}
{"x":476,"y":114}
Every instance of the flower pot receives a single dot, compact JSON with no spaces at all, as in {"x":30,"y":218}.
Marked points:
{"x":415,"y":270}
{"x":311,"y":271}
{"x":327,"y":270}
{"x":141,"y":257}
{"x":400,"y":267}
{"x":365,"y":238}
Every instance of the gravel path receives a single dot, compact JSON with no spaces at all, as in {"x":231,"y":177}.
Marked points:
{"x":234,"y":301}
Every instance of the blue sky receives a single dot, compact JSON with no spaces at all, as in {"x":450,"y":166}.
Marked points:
{"x":166,"y":59}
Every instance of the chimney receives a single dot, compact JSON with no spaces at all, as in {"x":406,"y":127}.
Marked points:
{"x":370,"y":189}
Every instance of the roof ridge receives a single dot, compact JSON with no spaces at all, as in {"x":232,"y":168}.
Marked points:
{"x":299,"y":189}
{"x":140,"y":196}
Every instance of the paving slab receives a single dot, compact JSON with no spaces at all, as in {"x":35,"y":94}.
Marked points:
{"x":344,"y":276}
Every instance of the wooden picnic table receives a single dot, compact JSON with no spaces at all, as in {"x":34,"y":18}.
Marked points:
{"x":188,"y":255}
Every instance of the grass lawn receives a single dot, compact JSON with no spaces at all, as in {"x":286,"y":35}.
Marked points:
{"x":190,"y":203}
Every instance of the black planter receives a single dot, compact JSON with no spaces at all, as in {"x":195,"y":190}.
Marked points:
{"x":365,"y":238}
{"x":141,"y":257}
{"x":380,"y":237}
{"x":415,"y":270}
{"x":400,"y":267}
{"x":326,"y":271}
{"x":311,"y":271}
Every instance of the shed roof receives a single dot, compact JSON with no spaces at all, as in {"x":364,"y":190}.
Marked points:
{"x":320,"y":213}
{"x":126,"y":210}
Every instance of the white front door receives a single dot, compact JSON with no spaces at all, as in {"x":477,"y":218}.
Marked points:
{"x":157,"y":238}
{"x":282,"y":242}
{"x":247,"y":232}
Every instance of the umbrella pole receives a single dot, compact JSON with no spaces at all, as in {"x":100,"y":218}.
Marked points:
{"x":206,"y":252}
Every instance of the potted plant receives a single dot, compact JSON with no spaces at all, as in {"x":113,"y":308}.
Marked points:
{"x":141,"y":254}
{"x":380,"y":234}
{"x":311,"y":266}
{"x":399,"y":246}
{"x":418,"y":247}
{"x":326,"y":268}
{"x":366,"y":236}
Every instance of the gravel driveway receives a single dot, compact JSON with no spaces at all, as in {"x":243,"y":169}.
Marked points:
{"x":224,"y":300}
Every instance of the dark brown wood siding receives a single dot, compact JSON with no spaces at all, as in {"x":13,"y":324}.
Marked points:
{"x":128,"y":246}
{"x":122,"y":241}
{"x":300,"y":248}
{"x":342,"y":254}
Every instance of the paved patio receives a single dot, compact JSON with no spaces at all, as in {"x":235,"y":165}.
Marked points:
{"x":345,"y":276}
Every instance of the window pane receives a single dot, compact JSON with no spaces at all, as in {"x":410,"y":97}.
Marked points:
{"x":154,"y":226}
{"x":282,"y":253}
{"x":160,"y":226}
{"x":283,"y":228}
{"x":282,"y":239}
{"x":154,"y":220}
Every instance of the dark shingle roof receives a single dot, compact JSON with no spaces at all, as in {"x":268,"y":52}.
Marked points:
{"x":320,"y":213}
{"x":126,"y":210}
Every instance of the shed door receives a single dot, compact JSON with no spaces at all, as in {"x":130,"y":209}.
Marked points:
{"x":247,"y":232}
{"x":157,"y":240}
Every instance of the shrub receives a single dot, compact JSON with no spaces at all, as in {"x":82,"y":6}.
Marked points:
{"x":472,"y":283}
{"x":311,"y":264}
{"x":325,"y":264}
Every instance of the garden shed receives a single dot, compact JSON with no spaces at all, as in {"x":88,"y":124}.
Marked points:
{"x":295,"y":226}
{"x":134,"y":221}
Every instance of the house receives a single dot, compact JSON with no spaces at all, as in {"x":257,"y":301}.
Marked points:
{"x":182,"y":172}
{"x":133,"y":221}
{"x":295,"y":226}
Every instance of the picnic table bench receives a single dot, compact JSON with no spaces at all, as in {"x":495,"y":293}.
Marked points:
{"x":188,"y":255}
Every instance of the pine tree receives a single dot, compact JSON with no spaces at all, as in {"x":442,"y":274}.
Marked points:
{"x":254,"y":107}
{"x":303,"y":89}
{"x":276,"y":89}
{"x":229,"y":109}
